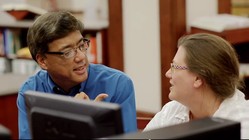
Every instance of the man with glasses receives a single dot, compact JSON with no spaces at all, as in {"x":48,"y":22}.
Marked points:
{"x":56,"y":43}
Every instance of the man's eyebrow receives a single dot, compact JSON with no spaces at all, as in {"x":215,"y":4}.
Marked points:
{"x":70,"y":46}
{"x":81,"y":40}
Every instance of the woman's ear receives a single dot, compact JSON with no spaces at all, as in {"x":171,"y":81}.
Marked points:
{"x":41,"y":60}
{"x":198,"y":82}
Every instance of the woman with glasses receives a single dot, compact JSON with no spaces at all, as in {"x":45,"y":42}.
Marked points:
{"x":56,"y":43}
{"x":204,"y":78}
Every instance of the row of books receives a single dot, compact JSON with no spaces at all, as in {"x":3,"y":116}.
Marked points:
{"x":18,"y":66}
{"x":95,"y":49}
{"x":24,"y":66}
{"x":10,"y":44}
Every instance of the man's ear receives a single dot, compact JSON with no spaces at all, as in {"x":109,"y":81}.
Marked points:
{"x":198,"y":82}
{"x":41,"y":60}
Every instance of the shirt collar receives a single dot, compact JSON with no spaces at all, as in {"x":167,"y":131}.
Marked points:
{"x":56,"y":89}
{"x":183,"y":115}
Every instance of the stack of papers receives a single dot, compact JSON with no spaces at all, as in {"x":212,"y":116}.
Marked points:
{"x":221,"y":22}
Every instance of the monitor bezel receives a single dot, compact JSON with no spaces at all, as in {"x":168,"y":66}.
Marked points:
{"x":59,"y":106}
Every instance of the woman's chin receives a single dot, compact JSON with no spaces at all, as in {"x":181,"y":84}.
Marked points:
{"x":171,"y":95}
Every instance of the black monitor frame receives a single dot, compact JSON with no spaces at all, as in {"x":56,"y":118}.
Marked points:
{"x":206,"y":128}
{"x":5,"y":133}
{"x":57,"y":116}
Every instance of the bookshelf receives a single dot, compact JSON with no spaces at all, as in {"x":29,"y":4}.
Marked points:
{"x":13,"y":38}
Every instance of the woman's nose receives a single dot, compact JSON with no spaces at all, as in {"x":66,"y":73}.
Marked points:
{"x":168,"y":73}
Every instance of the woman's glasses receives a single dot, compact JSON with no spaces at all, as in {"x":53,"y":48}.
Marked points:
{"x":173,"y":67}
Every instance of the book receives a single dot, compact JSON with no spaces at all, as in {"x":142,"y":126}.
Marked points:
{"x":24,"y":66}
{"x":1,"y":44}
{"x":11,"y":42}
{"x":92,"y":50}
{"x":99,"y":43}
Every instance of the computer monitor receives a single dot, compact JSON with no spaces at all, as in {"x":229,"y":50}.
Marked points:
{"x":57,"y":116}
{"x":5,"y":133}
{"x":206,"y":128}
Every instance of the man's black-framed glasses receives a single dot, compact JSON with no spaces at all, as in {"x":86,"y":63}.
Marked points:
{"x":72,"y":52}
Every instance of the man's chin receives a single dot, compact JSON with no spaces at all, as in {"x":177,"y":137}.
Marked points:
{"x":80,"y":79}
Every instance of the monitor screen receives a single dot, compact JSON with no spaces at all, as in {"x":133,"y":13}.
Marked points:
{"x":57,"y":116}
{"x":206,"y":128}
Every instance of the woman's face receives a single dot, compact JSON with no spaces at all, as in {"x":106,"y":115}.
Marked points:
{"x":181,"y":79}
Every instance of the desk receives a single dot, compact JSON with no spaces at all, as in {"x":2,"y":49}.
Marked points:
{"x":9,"y":86}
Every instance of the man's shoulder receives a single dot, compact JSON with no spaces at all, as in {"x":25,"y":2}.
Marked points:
{"x":106,"y":69}
{"x":34,"y":81}
{"x":40,"y":75}
{"x":102,"y":71}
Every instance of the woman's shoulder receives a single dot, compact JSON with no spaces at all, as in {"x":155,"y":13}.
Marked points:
{"x":173,"y":104}
{"x":174,"y":107}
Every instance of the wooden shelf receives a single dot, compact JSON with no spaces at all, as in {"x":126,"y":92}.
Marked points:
{"x":235,"y":36}
{"x":9,"y":113}
{"x":89,"y":25}
{"x":96,"y":25}
{"x":15,"y":24}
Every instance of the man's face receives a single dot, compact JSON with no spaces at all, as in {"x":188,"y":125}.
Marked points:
{"x":66,"y":72}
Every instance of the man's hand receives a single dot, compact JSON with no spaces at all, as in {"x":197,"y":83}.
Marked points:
{"x":83,"y":96}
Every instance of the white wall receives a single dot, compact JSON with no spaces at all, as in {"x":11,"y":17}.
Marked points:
{"x":198,"y":8}
{"x":141,"y":51}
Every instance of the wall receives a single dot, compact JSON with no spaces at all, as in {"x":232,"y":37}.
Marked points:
{"x":141,"y":51}
{"x":198,"y":8}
